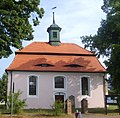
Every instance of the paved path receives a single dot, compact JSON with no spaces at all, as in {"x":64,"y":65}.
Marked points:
{"x":100,"y":116}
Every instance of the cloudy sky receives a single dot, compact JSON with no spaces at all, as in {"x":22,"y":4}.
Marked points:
{"x":76,"y":18}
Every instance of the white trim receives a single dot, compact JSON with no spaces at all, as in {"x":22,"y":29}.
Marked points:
{"x":65,"y":83}
{"x":37,"y":86}
{"x":89,"y":86}
{"x":61,"y":93}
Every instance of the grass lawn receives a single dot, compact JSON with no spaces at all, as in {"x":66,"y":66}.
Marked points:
{"x":33,"y":113}
{"x":41,"y":113}
{"x":36,"y":116}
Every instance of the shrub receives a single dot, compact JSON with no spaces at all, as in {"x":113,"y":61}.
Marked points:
{"x":58,"y":108}
{"x":18,"y":104}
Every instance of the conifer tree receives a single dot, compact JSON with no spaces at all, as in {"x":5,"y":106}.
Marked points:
{"x":106,"y":41}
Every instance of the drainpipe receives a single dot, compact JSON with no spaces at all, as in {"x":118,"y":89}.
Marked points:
{"x":104,"y":91}
{"x":11,"y":81}
{"x":10,"y":89}
{"x":12,"y":93}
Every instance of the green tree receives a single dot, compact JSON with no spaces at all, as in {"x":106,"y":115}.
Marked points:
{"x":114,"y":68}
{"x":107,"y":40}
{"x":3,"y":88}
{"x":15,"y":23}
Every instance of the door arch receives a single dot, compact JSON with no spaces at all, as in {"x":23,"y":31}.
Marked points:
{"x":60,"y":96}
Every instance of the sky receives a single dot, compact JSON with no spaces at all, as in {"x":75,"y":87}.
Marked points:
{"x":76,"y":18}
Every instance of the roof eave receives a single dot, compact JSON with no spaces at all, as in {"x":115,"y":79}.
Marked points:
{"x":56,"y":71}
{"x":50,"y":53}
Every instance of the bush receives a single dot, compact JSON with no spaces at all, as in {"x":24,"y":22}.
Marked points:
{"x":58,"y":108}
{"x":18,"y":104}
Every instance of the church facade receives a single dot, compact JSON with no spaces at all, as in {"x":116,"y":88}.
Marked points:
{"x":48,"y":71}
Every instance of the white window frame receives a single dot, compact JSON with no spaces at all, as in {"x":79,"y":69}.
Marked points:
{"x":37,"y":86}
{"x":60,"y":93}
{"x":65,"y":84}
{"x":89,"y":86}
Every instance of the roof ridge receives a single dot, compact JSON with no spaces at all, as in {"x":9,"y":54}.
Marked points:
{"x":64,"y":48}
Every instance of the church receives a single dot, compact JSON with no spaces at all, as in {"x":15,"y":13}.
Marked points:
{"x":48,"y":71}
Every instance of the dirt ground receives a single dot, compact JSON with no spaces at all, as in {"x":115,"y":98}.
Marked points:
{"x":100,"y":116}
{"x":89,"y":115}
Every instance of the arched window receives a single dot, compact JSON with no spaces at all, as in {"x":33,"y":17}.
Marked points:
{"x":33,"y":85}
{"x":85,"y":86}
{"x":59,"y":82}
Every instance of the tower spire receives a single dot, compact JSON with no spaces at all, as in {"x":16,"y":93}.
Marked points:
{"x":54,"y":32}
{"x":53,"y":18}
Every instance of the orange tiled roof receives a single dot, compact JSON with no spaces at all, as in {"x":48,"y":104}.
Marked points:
{"x":44,"y":47}
{"x":26,"y":61}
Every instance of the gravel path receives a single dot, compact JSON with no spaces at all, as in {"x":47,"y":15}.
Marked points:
{"x":100,"y":116}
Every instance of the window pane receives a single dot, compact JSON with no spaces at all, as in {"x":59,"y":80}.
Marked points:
{"x":59,"y":82}
{"x":54,"y":34}
{"x":85,"y":86}
{"x":32,"y":85}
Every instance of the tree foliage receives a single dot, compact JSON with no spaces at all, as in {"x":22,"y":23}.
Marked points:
{"x":107,"y":40}
{"x":58,"y":108}
{"x":114,"y":68}
{"x":3,"y":88}
{"x":15,"y":23}
{"x":18,"y":104}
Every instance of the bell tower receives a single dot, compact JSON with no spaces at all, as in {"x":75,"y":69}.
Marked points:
{"x":54,"y":33}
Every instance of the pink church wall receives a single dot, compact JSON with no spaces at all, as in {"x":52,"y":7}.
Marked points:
{"x":46,"y":91}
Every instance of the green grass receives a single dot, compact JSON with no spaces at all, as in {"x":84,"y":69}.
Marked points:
{"x":2,"y":109}
{"x":37,"y":113}
{"x":42,"y":112}
{"x":112,"y":109}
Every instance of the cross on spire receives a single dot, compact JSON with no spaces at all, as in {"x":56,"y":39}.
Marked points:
{"x":53,"y":15}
